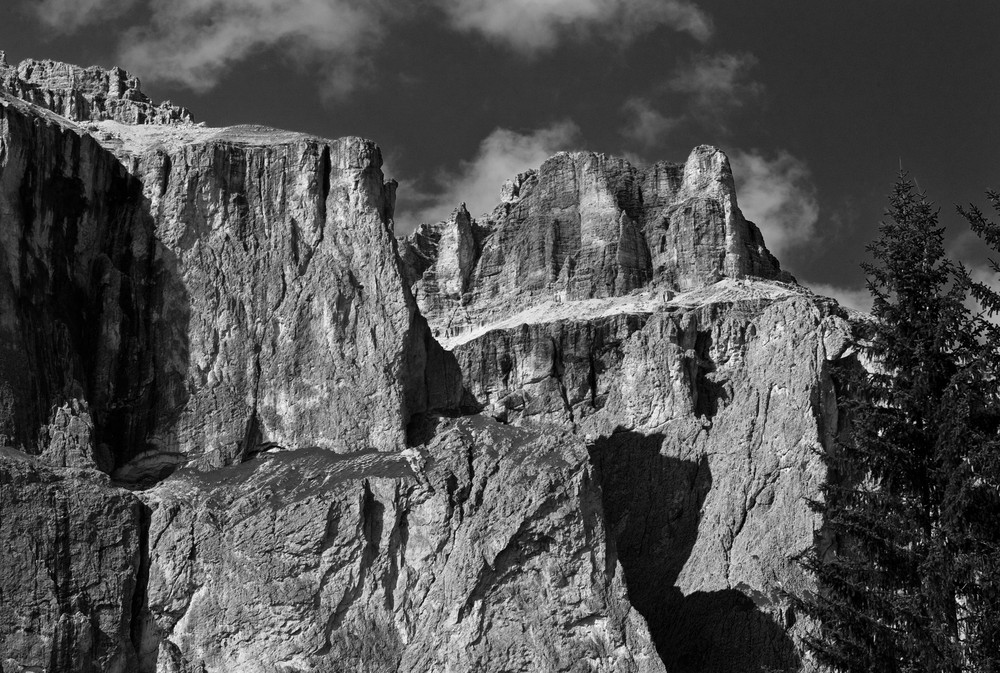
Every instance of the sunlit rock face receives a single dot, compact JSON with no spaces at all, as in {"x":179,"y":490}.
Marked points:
{"x":86,"y":94}
{"x":578,"y":433}
{"x":706,"y":416}
{"x":485,"y":549}
{"x":297,"y":327}
{"x":206,"y":291}
{"x":585,"y":226}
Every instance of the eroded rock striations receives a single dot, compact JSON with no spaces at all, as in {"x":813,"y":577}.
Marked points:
{"x":208,"y":292}
{"x":601,"y":463}
{"x":483,"y":550}
{"x":86,"y":94}
{"x":585,"y":226}
{"x":71,"y":550}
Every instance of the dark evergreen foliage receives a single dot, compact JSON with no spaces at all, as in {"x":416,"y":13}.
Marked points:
{"x":908,"y":564}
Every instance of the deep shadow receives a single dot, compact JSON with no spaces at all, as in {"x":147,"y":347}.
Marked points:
{"x":652,"y":506}
{"x":137,"y":383}
{"x":706,"y":392}
{"x":87,"y":289}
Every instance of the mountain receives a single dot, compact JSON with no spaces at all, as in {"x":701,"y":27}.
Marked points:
{"x":247,"y":429}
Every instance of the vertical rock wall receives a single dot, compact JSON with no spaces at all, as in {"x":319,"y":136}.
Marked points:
{"x":299,"y":330}
{"x":483,"y":551}
{"x":206,"y":298}
{"x":77,"y":256}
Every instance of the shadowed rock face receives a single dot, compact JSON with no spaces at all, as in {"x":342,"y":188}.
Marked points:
{"x":644,"y":396}
{"x":706,"y":417}
{"x":77,"y":269}
{"x":206,"y":296}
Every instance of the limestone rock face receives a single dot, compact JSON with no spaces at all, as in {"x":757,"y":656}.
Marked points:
{"x":484,"y":550}
{"x":298,"y":328}
{"x":706,"y":415}
{"x":586,"y":226}
{"x":86,"y":94}
{"x":77,"y":262}
{"x":69,"y":575}
{"x":603,"y":465}
{"x":206,"y":296}
{"x":69,"y":439}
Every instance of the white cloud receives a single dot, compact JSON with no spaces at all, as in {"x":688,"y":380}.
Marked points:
{"x":717,"y":82}
{"x":195,"y":42}
{"x":501,"y":155}
{"x":778,"y":195}
{"x":644,"y":124}
{"x":531,"y":26}
{"x":858,"y":299}
{"x":704,"y":90}
{"x":66,"y":16}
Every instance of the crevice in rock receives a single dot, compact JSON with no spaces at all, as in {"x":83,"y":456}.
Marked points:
{"x":557,"y":372}
{"x":140,"y":595}
{"x":326,"y":170}
{"x":592,"y":379}
{"x":706,"y":392}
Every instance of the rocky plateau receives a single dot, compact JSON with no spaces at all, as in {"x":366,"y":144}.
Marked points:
{"x":246,"y":428}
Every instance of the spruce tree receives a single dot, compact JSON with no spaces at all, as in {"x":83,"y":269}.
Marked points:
{"x":906,"y":563}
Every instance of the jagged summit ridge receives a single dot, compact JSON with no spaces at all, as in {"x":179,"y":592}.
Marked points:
{"x":582,"y":226}
{"x":87,"y":94}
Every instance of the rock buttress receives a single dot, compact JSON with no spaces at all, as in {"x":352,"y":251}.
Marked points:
{"x":484,"y":550}
{"x":69,"y":572}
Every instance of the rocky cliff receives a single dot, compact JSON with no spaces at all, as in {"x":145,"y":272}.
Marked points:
{"x":601,"y":463}
{"x":86,"y":94}
{"x":208,"y":292}
{"x":585,"y":226}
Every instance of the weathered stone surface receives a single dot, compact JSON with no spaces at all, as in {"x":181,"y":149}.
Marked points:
{"x":207,"y":297}
{"x":77,"y":263}
{"x":484,"y":550}
{"x":231,"y":300}
{"x":87,"y":94}
{"x":586,"y":226}
{"x":69,"y":439}
{"x":706,"y":415}
{"x":299,"y":329}
{"x":69,"y":569}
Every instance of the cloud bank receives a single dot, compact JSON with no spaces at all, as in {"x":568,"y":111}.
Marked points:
{"x":778,"y":195}
{"x":717,"y":82}
{"x":195,"y":42}
{"x":645,"y":125}
{"x":67,"y":16}
{"x":703,"y":91}
{"x":500,"y":156}
{"x":531,"y":26}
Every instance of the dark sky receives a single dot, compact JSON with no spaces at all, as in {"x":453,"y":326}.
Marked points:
{"x":817,"y":103}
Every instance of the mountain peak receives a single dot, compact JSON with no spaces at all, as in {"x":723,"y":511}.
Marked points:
{"x":583,"y":226}
{"x":87,"y":94}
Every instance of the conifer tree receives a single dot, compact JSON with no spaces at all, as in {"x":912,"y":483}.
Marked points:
{"x":906,"y":563}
